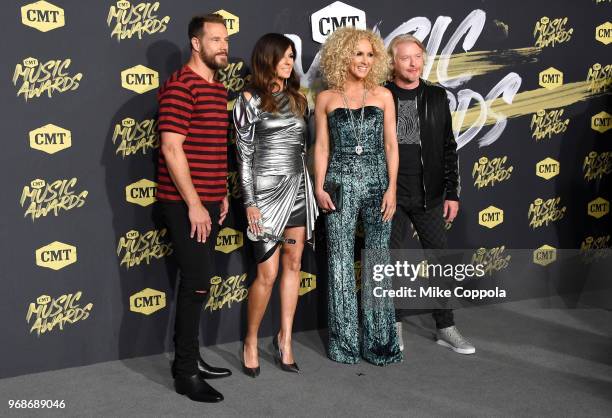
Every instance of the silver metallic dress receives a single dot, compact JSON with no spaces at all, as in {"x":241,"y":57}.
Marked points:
{"x":271,"y":159}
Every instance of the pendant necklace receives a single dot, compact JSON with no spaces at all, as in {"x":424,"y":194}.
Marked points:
{"x":358,"y":147}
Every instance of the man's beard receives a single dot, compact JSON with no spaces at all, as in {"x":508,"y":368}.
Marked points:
{"x":407,"y":79}
{"x":210,"y":61}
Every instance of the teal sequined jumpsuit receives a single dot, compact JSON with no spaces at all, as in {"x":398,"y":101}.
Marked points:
{"x":364,"y":180}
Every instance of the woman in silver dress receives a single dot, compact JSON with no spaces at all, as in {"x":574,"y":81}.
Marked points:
{"x":278,"y":195}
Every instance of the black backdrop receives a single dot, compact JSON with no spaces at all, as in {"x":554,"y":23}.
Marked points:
{"x":87,"y":274}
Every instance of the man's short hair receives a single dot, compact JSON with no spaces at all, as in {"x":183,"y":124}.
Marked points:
{"x":196,"y":25}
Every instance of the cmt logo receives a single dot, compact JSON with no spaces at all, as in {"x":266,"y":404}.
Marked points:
{"x":551,"y":78}
{"x":147,"y":301}
{"x":139,"y":79}
{"x":547,"y":168}
{"x":336,"y":15}
{"x":229,"y":240}
{"x":37,"y":184}
{"x":601,"y":122}
{"x":232,"y":22}
{"x":56,"y":255}
{"x":545,"y":255}
{"x":50,"y":139}
{"x":30,"y":62}
{"x":43,"y":16}
{"x":603,"y":33}
{"x":308,"y":282}
{"x":598,"y":207}
{"x":490,"y":217}
{"x":142,"y":193}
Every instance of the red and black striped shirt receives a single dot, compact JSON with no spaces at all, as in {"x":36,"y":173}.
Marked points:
{"x":191,"y":106}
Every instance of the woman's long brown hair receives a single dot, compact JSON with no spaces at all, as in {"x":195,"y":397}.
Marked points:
{"x":267,"y":53}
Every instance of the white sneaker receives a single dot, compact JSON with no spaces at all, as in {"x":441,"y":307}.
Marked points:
{"x":451,"y":338}
{"x":398,"y":329}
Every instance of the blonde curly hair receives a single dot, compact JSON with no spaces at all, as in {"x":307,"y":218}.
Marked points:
{"x":337,"y":53}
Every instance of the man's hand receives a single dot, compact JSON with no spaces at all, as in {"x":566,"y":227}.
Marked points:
{"x":200,"y":222}
{"x":451,"y":207}
{"x":224,"y":209}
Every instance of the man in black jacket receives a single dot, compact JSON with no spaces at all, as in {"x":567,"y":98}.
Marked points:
{"x":428,"y":178}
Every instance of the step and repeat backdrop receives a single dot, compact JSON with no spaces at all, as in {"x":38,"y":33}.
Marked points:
{"x":87,"y":269}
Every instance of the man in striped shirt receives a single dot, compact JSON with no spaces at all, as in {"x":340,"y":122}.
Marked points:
{"x":192,"y":190}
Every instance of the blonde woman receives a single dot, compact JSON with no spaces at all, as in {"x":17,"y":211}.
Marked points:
{"x":355,"y":122}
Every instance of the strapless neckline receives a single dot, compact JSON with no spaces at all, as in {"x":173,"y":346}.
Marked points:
{"x":358,"y":109}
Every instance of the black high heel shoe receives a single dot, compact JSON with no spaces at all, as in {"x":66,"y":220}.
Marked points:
{"x":291,"y":368}
{"x":249,"y":371}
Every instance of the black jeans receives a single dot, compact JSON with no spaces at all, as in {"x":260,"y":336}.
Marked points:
{"x":429,"y":225}
{"x":196,"y":263}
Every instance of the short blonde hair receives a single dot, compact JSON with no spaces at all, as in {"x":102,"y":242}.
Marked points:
{"x":337,"y":53}
{"x":392,"y":49}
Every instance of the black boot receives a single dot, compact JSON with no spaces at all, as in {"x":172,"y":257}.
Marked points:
{"x":196,"y":389}
{"x":206,"y":371}
{"x":211,"y":372}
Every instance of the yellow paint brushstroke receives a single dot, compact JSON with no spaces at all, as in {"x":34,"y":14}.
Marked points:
{"x":531,"y":101}
{"x":478,"y":63}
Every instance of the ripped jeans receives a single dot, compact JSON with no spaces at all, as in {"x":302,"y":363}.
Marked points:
{"x":196,"y":263}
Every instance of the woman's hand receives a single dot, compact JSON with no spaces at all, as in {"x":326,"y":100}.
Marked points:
{"x":388,"y":205}
{"x":324,"y":201}
{"x":254,"y":217}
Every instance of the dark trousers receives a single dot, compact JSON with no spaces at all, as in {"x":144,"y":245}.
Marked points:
{"x":430,"y":226}
{"x":197,"y":266}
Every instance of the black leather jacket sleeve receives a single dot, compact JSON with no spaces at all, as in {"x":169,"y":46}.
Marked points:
{"x":452,"y":184}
